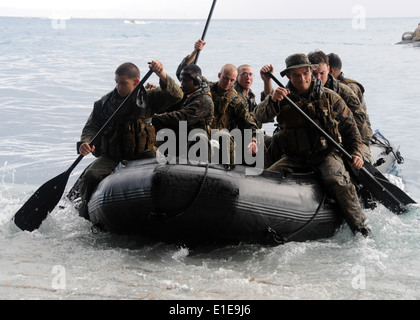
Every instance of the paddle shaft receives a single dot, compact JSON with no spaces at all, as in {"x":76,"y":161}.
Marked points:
{"x":205,"y":29}
{"x":333,"y":142}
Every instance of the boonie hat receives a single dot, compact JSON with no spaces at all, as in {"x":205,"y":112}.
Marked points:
{"x":297,"y":60}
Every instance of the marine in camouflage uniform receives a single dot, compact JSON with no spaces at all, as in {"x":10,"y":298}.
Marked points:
{"x":196,"y":108}
{"x":130,"y":136}
{"x":359,"y":113}
{"x":230,"y":112}
{"x":352,"y":101}
{"x":243,"y":85}
{"x":252,"y":104}
{"x":358,"y":89}
{"x":230,"y":108}
{"x":250,"y":98}
{"x":304,"y":148}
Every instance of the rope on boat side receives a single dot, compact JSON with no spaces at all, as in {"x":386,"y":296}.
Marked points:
{"x":279,"y":239}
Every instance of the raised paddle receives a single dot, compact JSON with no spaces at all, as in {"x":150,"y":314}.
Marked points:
{"x":381,"y":189}
{"x":205,"y":29}
{"x":44,"y":200}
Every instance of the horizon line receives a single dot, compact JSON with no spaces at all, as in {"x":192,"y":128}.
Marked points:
{"x":140,"y":19}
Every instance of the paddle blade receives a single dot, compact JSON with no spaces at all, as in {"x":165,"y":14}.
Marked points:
{"x":397,"y":192}
{"x":43,"y":201}
{"x":382,"y":189}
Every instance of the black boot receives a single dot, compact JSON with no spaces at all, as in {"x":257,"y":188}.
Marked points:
{"x":365,"y":231}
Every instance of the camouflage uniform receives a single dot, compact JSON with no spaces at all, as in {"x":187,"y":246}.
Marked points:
{"x":359,"y":114}
{"x":359,"y":90}
{"x":250,"y":99}
{"x":304,"y":148}
{"x":130,"y":136}
{"x":272,"y":148}
{"x":230,"y":112}
{"x":269,"y":154}
{"x":197,"y":110}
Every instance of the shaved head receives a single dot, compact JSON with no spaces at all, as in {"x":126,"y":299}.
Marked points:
{"x":228,"y":68}
{"x":227,"y":77}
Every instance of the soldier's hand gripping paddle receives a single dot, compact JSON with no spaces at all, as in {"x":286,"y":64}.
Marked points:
{"x":44,"y":200}
{"x":381,"y":188}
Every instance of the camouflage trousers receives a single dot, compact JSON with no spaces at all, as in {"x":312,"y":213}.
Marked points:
{"x":336,"y":180}
{"x":273,"y":150}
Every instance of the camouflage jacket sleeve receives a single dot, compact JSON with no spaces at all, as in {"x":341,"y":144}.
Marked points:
{"x":356,"y":89}
{"x":352,"y":101}
{"x":181,"y":66}
{"x":163,"y":97}
{"x":198,"y":113}
{"x":239,"y":114}
{"x":94,"y":123}
{"x":347,"y":126}
{"x":267,"y":110}
{"x":258,"y":123}
{"x":354,"y":104}
{"x":250,"y":100}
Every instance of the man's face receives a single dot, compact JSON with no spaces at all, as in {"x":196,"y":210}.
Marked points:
{"x":322,"y":72}
{"x":246,"y":77}
{"x":187,"y":83}
{"x":227,"y":79}
{"x":301,"y":79}
{"x":125,"y":85}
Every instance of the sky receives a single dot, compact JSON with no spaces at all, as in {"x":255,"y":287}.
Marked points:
{"x":199,"y":9}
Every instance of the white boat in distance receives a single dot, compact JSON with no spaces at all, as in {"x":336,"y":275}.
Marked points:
{"x":133,"y":21}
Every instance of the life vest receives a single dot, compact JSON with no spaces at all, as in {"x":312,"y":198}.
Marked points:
{"x":250,"y":99}
{"x":299,"y":137}
{"x":130,"y":134}
{"x":221,"y":103}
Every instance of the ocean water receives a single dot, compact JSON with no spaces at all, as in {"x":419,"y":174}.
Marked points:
{"x":52,"y":71}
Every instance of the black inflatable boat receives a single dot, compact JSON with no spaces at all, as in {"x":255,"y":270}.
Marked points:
{"x":198,"y":204}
